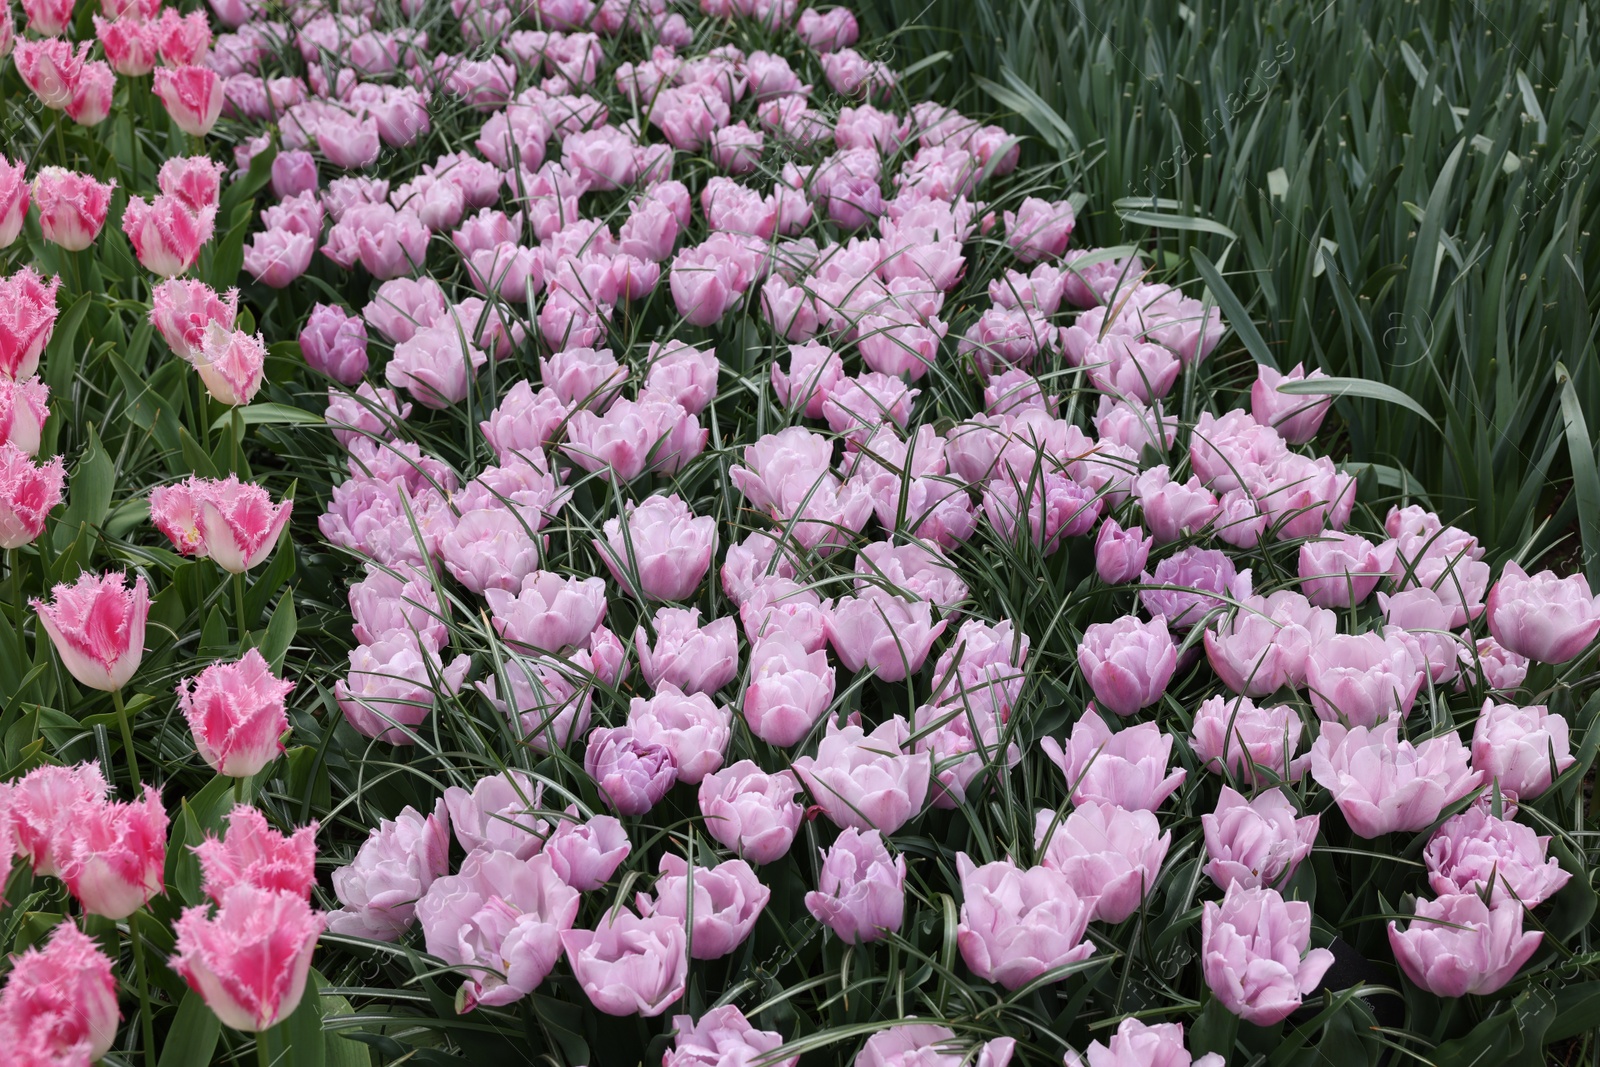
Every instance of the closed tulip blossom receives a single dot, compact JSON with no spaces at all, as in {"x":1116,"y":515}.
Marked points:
{"x":111,"y":854}
{"x":182,"y":309}
{"x":231,"y":363}
{"x":1189,"y":585}
{"x":1338,"y":570}
{"x":1110,"y":856}
{"x":239,"y":523}
{"x":335,"y":344}
{"x":665,"y":550}
{"x":1257,"y":842}
{"x":394,"y":867}
{"x":632,"y":772}
{"x":500,"y":920}
{"x":630,"y":965}
{"x":59,"y":1005}
{"x":1384,"y":784}
{"x":250,"y":959}
{"x":1266,"y":643}
{"x":1127,"y":768}
{"x":1135,"y":1044}
{"x":586,"y":854}
{"x":860,"y":892}
{"x":43,"y":803}
{"x":692,"y":727}
{"x":27,"y":320}
{"x":24,"y":408}
{"x":1361,"y":679}
{"x":498,"y":815}
{"x":393,"y":684}
{"x":277,"y":257}
{"x":694,"y":658}
{"x":1173,"y":509}
{"x":1248,"y":740}
{"x":653,"y":432}
{"x":253,"y":853}
{"x":97,"y":625}
{"x":192,"y":95}
{"x":1521,"y":748}
{"x":490,"y":548}
{"x":886,"y":634}
{"x":750,"y":811}
{"x":1476,"y":852}
{"x":867,"y":780}
{"x":167,"y":234}
{"x":727,"y":899}
{"x":1017,"y":924}
{"x":1458,"y":945}
{"x":436,"y":365}
{"x":13,"y":195}
{"x":29,"y":491}
{"x":550,"y":613}
{"x":721,"y":1036}
{"x":1127,"y":663}
{"x":1296,"y":416}
{"x":788,"y":691}
{"x":925,"y":1045}
{"x":236,"y":713}
{"x":1120,"y":555}
{"x":1543,"y":617}
{"x":1253,"y":951}
{"x":72,"y":207}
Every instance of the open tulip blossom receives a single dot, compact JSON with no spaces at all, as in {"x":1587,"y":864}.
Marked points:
{"x":662,"y":532}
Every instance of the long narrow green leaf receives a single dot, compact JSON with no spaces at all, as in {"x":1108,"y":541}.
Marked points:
{"x":1585,"y":476}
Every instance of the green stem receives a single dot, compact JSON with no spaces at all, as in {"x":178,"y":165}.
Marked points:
{"x":263,"y":1057}
{"x":238,"y":607}
{"x":127,"y":739}
{"x":147,"y":1025}
{"x":15,"y":596}
{"x":241,"y":791}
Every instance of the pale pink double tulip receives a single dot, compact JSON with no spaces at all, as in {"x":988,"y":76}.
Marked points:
{"x":1476,"y":852}
{"x":723,"y":902}
{"x":1458,"y":945}
{"x":789,"y":689}
{"x":1127,"y":768}
{"x":926,"y":1045}
{"x":694,"y":658}
{"x":722,"y":1036}
{"x":1254,"y":954}
{"x":1362,"y":679}
{"x":861,"y":889}
{"x":1382,"y":783}
{"x":1127,"y":663}
{"x":1265,"y":644}
{"x":865,"y":780}
{"x":1296,"y":416}
{"x":632,"y":772}
{"x":1250,"y":741}
{"x":393,"y":684}
{"x":883,"y":633}
{"x":236,"y":714}
{"x":1135,"y":1044}
{"x":97,"y":625}
{"x":1521,"y":748}
{"x":692,"y":727}
{"x":335,"y":344}
{"x":1256,"y":842}
{"x":586,"y":854}
{"x":629,"y":965}
{"x":1110,"y":856}
{"x":549,"y":613}
{"x":1120,"y":555}
{"x":750,"y":811}
{"x":499,"y":815}
{"x":1543,"y":617}
{"x":396,"y":864}
{"x":1018,"y":924}
{"x":1338,"y":570}
{"x":660,"y":549}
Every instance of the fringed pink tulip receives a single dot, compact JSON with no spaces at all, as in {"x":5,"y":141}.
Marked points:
{"x":42,"y":804}
{"x":13,"y":199}
{"x":167,"y":235}
{"x":97,"y":625}
{"x":72,"y":207}
{"x":182,"y":309}
{"x":28,"y":493}
{"x":59,"y":1005}
{"x":24,"y":407}
{"x":249,"y":960}
{"x":231,"y":363}
{"x":240,"y":523}
{"x":111,"y":855}
{"x":253,"y":853}
{"x":192,"y":96}
{"x":236,"y":713}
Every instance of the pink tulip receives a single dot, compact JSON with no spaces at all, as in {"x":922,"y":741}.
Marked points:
{"x":1543,"y":617}
{"x":1296,"y":417}
{"x":277,"y":257}
{"x":685,"y":373}
{"x":72,"y":207}
{"x":1039,"y":229}
{"x":97,"y":625}
{"x":653,"y":432}
{"x":388,"y":243}
{"x":1056,"y":507}
{"x":1486,"y":663}
{"x":1521,"y":748}
{"x":397,"y":863}
{"x":789,"y":689}
{"x":239,"y":523}
{"x":886,"y":634}
{"x":751,"y":812}
{"x":1265,"y":644}
{"x":393,"y":684}
{"x":1254,"y":843}
{"x":1135,"y":1044}
{"x":184,"y":38}
{"x":28,"y":493}
{"x":236,"y":713}
{"x":335,"y":344}
{"x":686,"y":655}
{"x":632,"y":772}
{"x":167,"y":235}
{"x":293,"y":173}
{"x":923,"y":1045}
{"x":181,"y":310}
{"x":722,"y":1036}
{"x":867,"y":780}
{"x":550,"y":612}
{"x":1458,"y":945}
{"x":630,"y":965}
{"x":1171,"y":509}
{"x":587,"y":854}
{"x":1474,"y":851}
{"x":13,"y":199}
{"x":727,"y":899}
{"x":1018,"y":924}
{"x":48,"y":18}
{"x":111,"y":854}
{"x":250,"y":959}
{"x":1382,"y":783}
{"x":1127,"y":663}
{"x":436,"y":365}
{"x":252,"y":853}
{"x":402,"y":306}
{"x":665,"y":551}
{"x":501,"y":919}
{"x":231,"y":364}
{"x":50,"y":68}
{"x":196,"y":181}
{"x":1253,"y":950}
{"x":192,"y":96}
{"x":827,"y":31}
{"x":1127,"y":768}
{"x":861,"y":889}
{"x":1361,"y":679}
{"x":1340,"y":570}
{"x":490,"y":548}
{"x":1196,"y":577}
{"x":692,"y":728}
{"x":498,"y":815}
{"x":1109,"y":856}
{"x":1119,"y":555}
{"x":1248,"y":740}
{"x":91,"y":96}
{"x":59,"y":1005}
{"x":27,"y":319}
{"x":43,"y":805}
